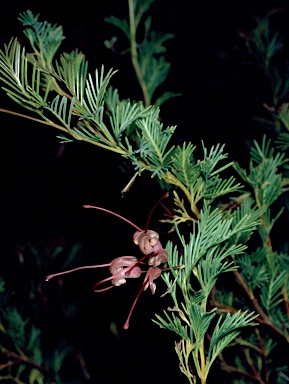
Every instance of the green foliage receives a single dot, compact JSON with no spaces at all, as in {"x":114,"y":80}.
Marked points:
{"x":264,"y":43}
{"x":263,"y":273}
{"x":203,"y":259}
{"x":25,"y":355}
{"x":263,"y":177}
{"x":23,"y":88}
{"x":43,"y":37}
{"x":216,"y":234}
{"x":148,"y":54}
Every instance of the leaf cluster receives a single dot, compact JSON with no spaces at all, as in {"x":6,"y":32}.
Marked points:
{"x":263,"y":176}
{"x":147,"y":48}
{"x":198,"y":180}
{"x":65,"y":95}
{"x":264,"y":43}
{"x":25,"y":355}
{"x":84,"y":108}
{"x":263,"y":272}
{"x":206,"y":255}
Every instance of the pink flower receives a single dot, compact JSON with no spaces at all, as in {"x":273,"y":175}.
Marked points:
{"x":151,"y":275}
{"x":127,"y":267}
{"x":121,"y":268}
{"x":148,"y":241}
{"x":160,"y":258}
{"x":123,"y":261}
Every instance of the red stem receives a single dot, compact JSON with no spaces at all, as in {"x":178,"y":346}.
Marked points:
{"x":103,"y":281}
{"x":154,"y":207}
{"x":114,"y":214}
{"x":136,"y":263}
{"x":49,"y":277}
{"x":126,"y":324}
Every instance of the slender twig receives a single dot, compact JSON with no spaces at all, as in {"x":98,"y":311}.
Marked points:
{"x":12,"y":379}
{"x":286,"y":303}
{"x":264,"y":355}
{"x":52,"y":124}
{"x":230,"y":369}
{"x":252,"y":366}
{"x":264,"y":318}
{"x":227,"y":309}
{"x":9,"y":363}
{"x":134,"y":54}
{"x":245,"y":343}
{"x":202,"y":361}
{"x":256,"y":305}
{"x":21,"y":359}
{"x":171,"y":179}
{"x":49,"y":122}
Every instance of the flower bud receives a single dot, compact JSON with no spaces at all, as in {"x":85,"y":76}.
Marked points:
{"x":120,"y":262}
{"x":152,"y":274}
{"x":131,"y":270}
{"x":148,"y":241}
{"x":160,"y":258}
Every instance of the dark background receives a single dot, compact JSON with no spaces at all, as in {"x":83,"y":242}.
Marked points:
{"x":44,"y":184}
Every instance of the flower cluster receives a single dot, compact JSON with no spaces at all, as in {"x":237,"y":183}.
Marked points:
{"x":128,"y":267}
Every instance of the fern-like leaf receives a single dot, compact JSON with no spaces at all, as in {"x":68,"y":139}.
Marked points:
{"x":23,"y":81}
{"x":271,"y":293}
{"x":153,"y":144}
{"x":226,"y":330}
{"x":44,"y":38}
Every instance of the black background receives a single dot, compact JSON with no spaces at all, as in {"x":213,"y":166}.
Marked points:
{"x":44,"y":184}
